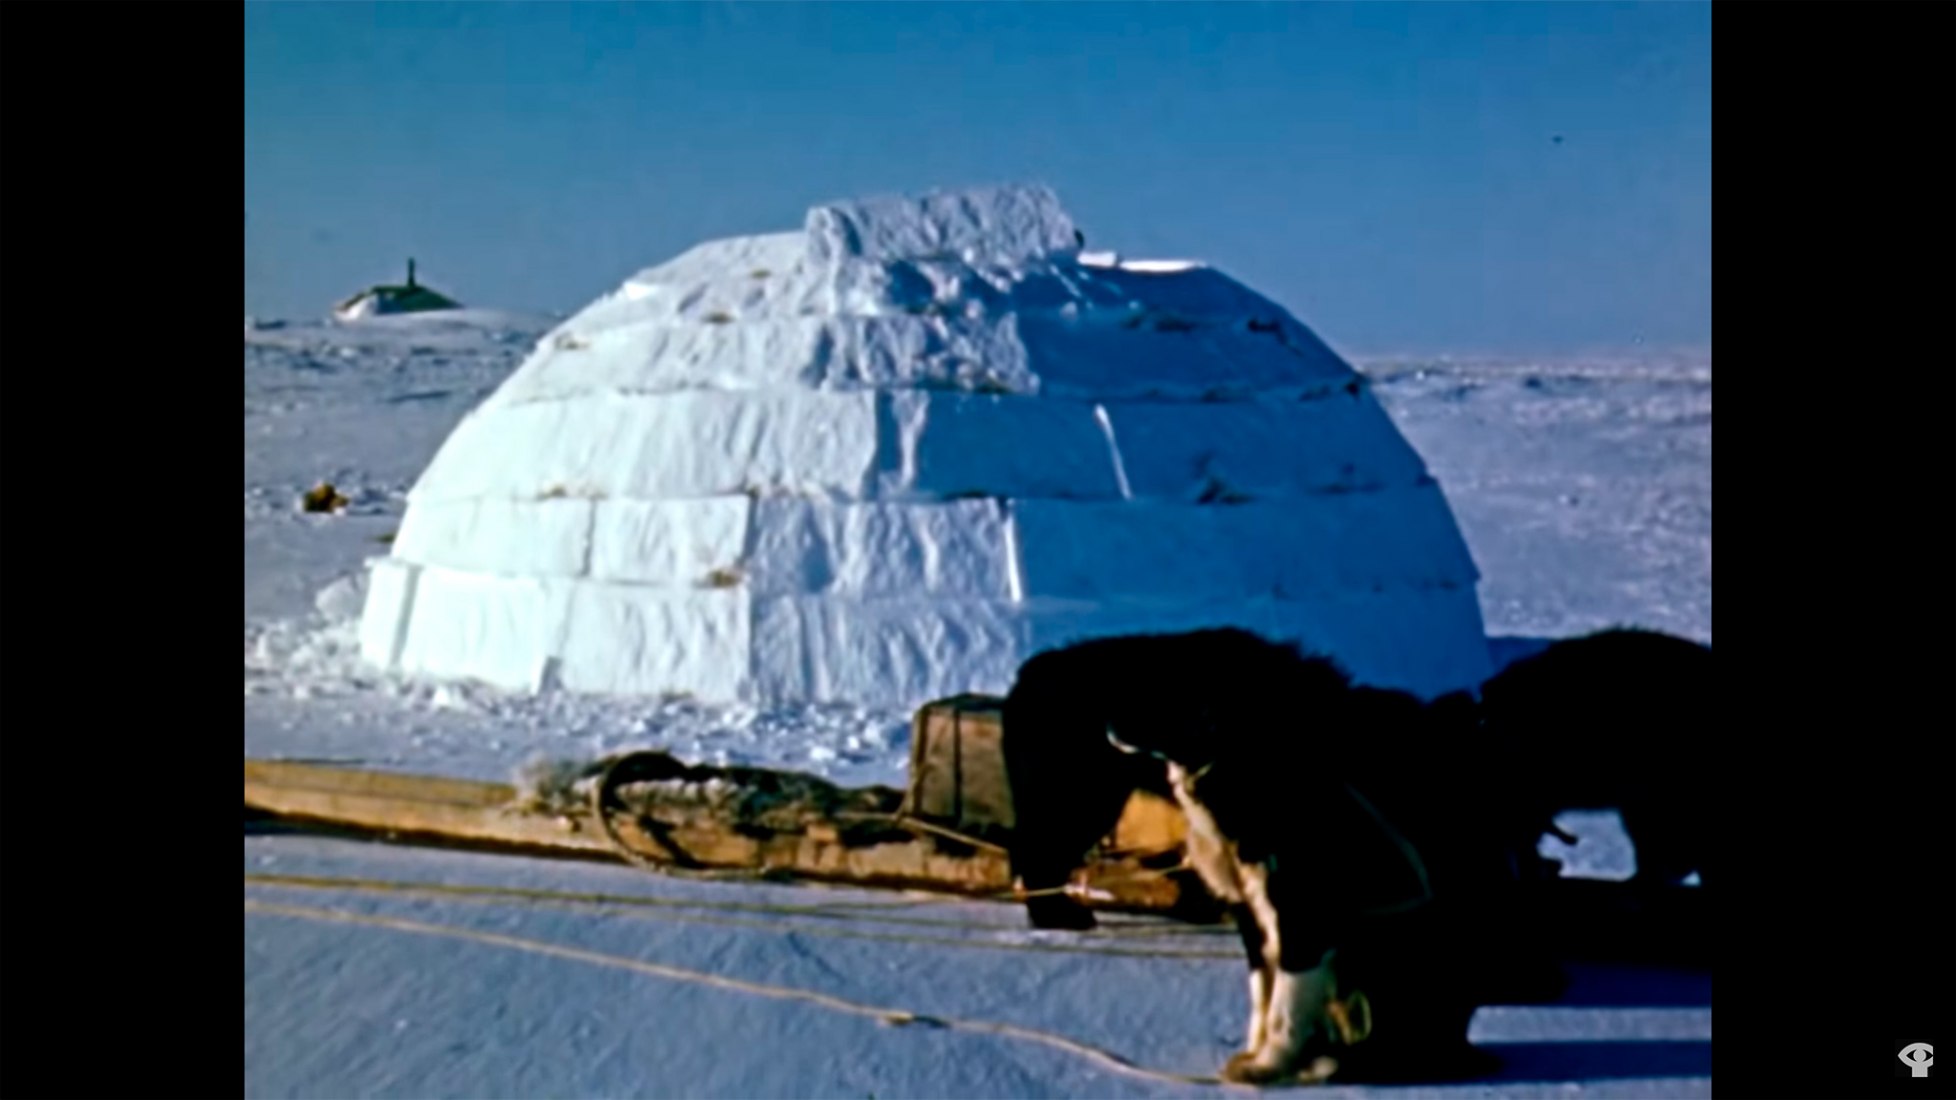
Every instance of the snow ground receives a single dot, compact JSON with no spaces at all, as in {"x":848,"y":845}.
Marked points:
{"x":1583,"y":488}
{"x":1584,"y":491}
{"x":333,"y":1010}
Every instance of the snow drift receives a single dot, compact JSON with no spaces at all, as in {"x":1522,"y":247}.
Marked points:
{"x":891,"y":456}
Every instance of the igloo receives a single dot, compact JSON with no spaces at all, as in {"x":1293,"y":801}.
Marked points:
{"x":890,"y":456}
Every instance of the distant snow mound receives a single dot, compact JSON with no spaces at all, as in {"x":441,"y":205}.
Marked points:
{"x":456,"y":330}
{"x":890,"y":456}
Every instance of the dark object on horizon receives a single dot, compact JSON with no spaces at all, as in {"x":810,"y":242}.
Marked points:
{"x":411,"y":297}
{"x":1557,"y":139}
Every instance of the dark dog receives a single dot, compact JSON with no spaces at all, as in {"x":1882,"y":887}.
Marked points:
{"x":1362,"y":867}
{"x":1364,"y":872}
{"x":1613,"y":720}
{"x":1069,"y":783}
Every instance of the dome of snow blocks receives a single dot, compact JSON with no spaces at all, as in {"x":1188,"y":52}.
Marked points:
{"x":891,"y":456}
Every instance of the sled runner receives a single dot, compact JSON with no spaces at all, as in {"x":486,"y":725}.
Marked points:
{"x":650,"y":809}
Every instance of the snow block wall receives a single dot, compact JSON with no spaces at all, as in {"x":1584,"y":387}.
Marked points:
{"x":890,"y":457}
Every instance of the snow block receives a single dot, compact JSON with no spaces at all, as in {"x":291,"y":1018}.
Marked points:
{"x":950,"y":445}
{"x":670,"y":543}
{"x":498,"y":630}
{"x":390,"y":600}
{"x":837,"y":353}
{"x":923,"y":352}
{"x":1226,"y":450}
{"x":689,"y":444}
{"x":903,"y":652}
{"x":1138,"y":357}
{"x":1052,"y":623}
{"x":626,"y":640}
{"x":881,"y":652}
{"x":1428,"y":641}
{"x":511,"y":538}
{"x":769,"y":275}
{"x":707,"y":261}
{"x":1101,"y":358}
{"x":953,"y":550}
{"x":993,"y":223}
{"x":654,"y":357}
{"x":1354,"y":542}
{"x":1190,"y":292}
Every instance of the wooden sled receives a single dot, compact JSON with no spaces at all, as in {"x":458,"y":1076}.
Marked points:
{"x":945,"y":833}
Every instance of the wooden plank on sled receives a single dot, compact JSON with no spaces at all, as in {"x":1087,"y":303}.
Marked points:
{"x":840,"y":849}
{"x":411,"y":805}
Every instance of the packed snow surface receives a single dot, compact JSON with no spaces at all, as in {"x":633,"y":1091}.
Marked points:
{"x":334,"y":1009}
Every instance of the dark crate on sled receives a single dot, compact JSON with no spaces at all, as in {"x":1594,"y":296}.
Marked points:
{"x":958,"y":783}
{"x":957,"y":780}
{"x":957,"y":766}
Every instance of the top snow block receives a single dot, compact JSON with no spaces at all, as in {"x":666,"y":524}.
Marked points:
{"x":999,"y":224}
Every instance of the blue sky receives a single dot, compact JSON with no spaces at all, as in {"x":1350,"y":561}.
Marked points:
{"x":1388,"y":172}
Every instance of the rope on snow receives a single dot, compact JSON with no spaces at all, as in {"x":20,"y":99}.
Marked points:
{"x":894,"y":1017}
{"x":569,"y":899}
